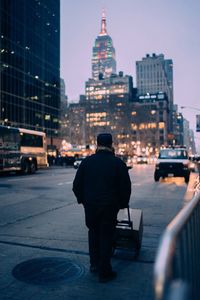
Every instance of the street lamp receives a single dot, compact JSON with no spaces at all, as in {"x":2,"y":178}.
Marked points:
{"x":197,"y":116}
{"x":190,"y":107}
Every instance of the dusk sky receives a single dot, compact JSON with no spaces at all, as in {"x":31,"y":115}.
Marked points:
{"x":137,"y":27}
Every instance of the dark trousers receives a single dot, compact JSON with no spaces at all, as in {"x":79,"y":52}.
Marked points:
{"x":101,"y":222}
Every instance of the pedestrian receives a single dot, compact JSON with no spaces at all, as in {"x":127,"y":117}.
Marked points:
{"x":102,"y":184}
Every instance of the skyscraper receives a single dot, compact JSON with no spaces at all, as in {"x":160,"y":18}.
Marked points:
{"x":103,"y":57}
{"x":154,"y":74}
{"x":30,"y":64}
{"x":107,"y":94}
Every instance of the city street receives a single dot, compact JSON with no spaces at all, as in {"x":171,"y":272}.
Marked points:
{"x":40,"y":218}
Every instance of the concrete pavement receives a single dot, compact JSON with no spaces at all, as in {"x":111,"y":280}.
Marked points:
{"x":70,"y":244}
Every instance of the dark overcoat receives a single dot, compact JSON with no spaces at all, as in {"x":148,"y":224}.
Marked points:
{"x":102,"y":179}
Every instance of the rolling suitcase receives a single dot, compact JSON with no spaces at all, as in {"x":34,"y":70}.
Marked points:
{"x":129,"y":230}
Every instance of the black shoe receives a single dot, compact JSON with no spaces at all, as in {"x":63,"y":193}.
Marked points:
{"x":108,"y":277}
{"x":93,"y":269}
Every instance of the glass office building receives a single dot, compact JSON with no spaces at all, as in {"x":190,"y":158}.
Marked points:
{"x":30,"y":64}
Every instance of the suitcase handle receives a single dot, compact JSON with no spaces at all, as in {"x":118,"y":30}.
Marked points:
{"x":127,"y":222}
{"x":129,"y":217}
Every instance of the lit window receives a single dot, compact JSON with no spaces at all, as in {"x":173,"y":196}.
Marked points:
{"x":151,"y":125}
{"x":134,"y":126}
{"x":47,"y":117}
{"x":34,"y":98}
{"x":161,"y":125}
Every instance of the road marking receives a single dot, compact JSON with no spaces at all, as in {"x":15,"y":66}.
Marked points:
{"x":136,"y":184}
{"x":62,"y":183}
{"x":18,"y":179}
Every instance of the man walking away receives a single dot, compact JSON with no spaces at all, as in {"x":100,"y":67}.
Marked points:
{"x":102,"y":184}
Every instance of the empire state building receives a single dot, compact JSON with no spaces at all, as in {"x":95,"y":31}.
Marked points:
{"x":103,"y":58}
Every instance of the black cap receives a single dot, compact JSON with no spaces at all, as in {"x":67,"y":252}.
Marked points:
{"x":104,"y":139}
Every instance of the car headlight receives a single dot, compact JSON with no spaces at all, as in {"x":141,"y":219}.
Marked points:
{"x":192,"y":165}
{"x":185,"y":165}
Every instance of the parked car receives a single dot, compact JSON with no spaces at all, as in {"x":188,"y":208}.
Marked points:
{"x":127,"y":160}
{"x":78,"y":162}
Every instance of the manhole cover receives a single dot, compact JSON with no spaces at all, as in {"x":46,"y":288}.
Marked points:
{"x":47,"y":270}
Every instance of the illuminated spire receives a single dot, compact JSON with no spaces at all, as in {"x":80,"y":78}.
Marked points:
{"x":103,"y":53}
{"x":103,"y":24}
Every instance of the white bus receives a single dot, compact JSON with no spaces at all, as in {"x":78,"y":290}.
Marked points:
{"x":22,"y":149}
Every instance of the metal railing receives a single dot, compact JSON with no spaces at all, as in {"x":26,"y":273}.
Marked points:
{"x":177,"y":266}
{"x":197,"y":184}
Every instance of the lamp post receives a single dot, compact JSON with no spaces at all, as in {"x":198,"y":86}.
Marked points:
{"x":190,"y":107}
{"x":197,"y":116}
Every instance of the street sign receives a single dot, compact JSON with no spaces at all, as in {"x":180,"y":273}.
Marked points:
{"x":198,"y":123}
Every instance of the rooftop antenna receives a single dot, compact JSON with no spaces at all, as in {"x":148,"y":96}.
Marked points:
{"x":103,"y":23}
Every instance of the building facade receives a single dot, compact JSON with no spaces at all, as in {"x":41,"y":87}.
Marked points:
{"x":154,"y":74}
{"x":107,"y":108}
{"x":186,"y":133}
{"x":74,"y":126}
{"x":63,"y":96}
{"x":103,"y":54}
{"x":192,"y":146}
{"x":177,"y":137}
{"x":149,"y":122}
{"x":30,"y":64}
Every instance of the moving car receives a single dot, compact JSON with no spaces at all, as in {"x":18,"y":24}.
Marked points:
{"x":141,"y":159}
{"x":172,"y":162}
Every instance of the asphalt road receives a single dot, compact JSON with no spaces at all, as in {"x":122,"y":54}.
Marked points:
{"x":40,"y":219}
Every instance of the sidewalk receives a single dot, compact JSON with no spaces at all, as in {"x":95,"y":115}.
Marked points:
{"x":70,"y":277}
